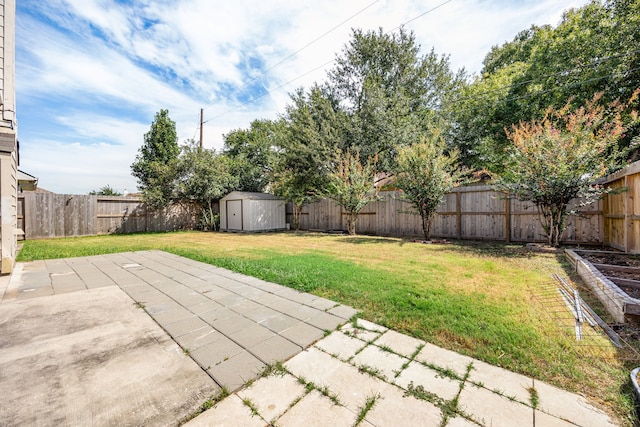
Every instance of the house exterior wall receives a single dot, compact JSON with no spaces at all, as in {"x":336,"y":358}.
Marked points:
{"x":8,"y":139}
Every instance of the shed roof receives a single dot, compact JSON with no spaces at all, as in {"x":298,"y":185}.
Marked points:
{"x":250,"y":196}
{"x":27,"y":181}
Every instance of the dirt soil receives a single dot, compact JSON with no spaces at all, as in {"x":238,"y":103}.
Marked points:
{"x":624,"y":260}
{"x":612,"y":259}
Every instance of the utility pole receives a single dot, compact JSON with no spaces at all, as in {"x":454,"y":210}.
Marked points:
{"x":201,"y":124}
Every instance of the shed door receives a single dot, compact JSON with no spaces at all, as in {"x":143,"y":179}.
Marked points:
{"x":234,"y":214}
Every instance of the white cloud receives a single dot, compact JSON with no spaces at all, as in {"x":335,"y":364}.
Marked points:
{"x":120,"y":62}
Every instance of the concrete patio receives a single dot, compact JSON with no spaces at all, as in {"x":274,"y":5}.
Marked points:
{"x":79,"y":345}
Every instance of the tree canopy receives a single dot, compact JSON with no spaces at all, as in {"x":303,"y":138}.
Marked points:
{"x":594,"y":49}
{"x":310,"y":133}
{"x":389,"y":93}
{"x":425,"y":173}
{"x":384,"y":98}
{"x":251,"y":154}
{"x":556,"y":159}
{"x":107,"y":190}
{"x":155,"y":163}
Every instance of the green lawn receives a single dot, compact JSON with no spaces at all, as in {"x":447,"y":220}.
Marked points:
{"x":483,"y":300}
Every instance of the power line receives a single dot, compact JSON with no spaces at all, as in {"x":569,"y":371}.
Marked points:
{"x":421,"y":15}
{"x":320,"y":66}
{"x":270,"y":91}
{"x":282,"y":61}
{"x":200,"y":122}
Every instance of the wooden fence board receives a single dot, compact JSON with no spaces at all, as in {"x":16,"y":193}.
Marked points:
{"x":621,"y":219}
{"x":61,"y":215}
{"x":471,"y":212}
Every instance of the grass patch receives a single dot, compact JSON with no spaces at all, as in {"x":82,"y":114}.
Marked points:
{"x":477,"y":299}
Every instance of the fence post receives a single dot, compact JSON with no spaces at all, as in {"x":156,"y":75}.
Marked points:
{"x":507,"y":218}
{"x":458,"y":215}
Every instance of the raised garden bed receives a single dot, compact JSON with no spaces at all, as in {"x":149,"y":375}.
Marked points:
{"x":615,"y":279}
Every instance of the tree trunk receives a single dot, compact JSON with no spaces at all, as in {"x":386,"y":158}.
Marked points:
{"x":552,"y":220}
{"x":297,"y":210}
{"x":351,"y":223}
{"x":426,"y":226}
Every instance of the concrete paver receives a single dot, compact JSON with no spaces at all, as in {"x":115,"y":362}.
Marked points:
{"x":317,"y":410}
{"x":233,"y":326}
{"x":273,"y":395}
{"x":229,"y":412}
{"x":399,"y":343}
{"x":185,"y":326}
{"x":341,"y":345}
{"x":236,"y":371}
{"x":351,"y":387}
{"x":500,"y":380}
{"x":432,"y":381}
{"x":252,"y":334}
{"x":277,"y":323}
{"x":447,"y":359}
{"x":343,"y":311}
{"x":218,"y":351}
{"x":198,"y":338}
{"x":303,"y":334}
{"x":393,"y":408}
{"x":542,"y":419}
{"x":325,"y":321}
{"x":491,"y":409}
{"x":274,"y":349}
{"x":360,"y":332}
{"x":569,"y":406}
{"x":386,"y":364}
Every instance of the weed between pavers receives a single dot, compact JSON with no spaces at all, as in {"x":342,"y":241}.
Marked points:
{"x":372,"y":371}
{"x":533,"y":397}
{"x":309,"y":386}
{"x":420,"y":393}
{"x":252,"y":406}
{"x":450,"y":408}
{"x":368,"y":404}
{"x":273,"y":369}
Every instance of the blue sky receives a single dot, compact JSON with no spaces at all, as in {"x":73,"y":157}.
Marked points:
{"x":91,"y":74}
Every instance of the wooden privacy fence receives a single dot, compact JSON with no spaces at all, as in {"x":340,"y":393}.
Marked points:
{"x":622,"y":210}
{"x":470,"y":212}
{"x":42,"y":215}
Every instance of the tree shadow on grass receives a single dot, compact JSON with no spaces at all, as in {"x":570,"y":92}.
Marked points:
{"x":360,"y":240}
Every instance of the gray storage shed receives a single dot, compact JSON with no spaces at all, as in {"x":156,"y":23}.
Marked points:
{"x":243,"y":211}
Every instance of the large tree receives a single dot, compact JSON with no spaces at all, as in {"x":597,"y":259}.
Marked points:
{"x":312,"y":130}
{"x":251,"y":153}
{"x":390,"y":93}
{"x":593,"y":49}
{"x":202,"y":176}
{"x":154,"y":165}
{"x":107,"y":190}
